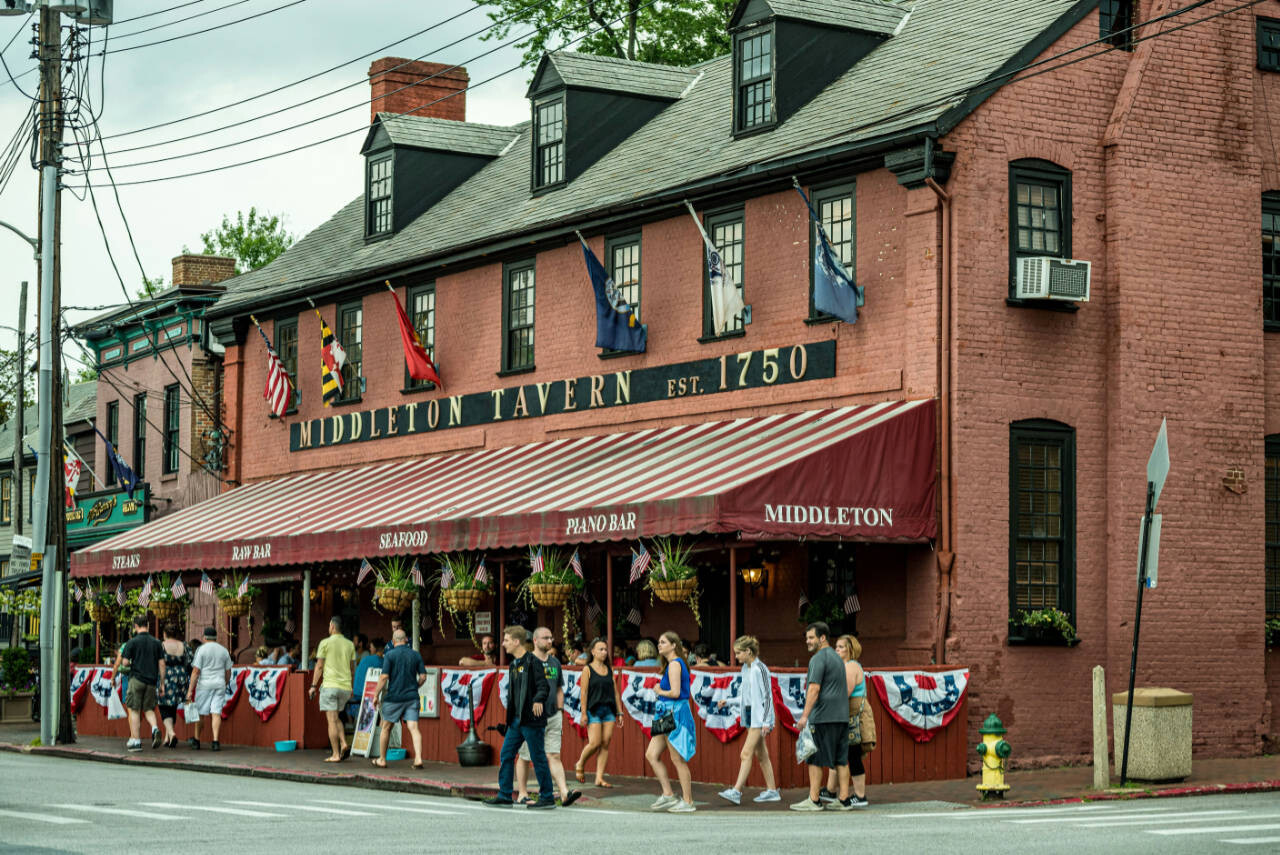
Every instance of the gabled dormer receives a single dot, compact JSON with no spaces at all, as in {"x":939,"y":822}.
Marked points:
{"x":583,"y":106}
{"x":412,"y":162}
{"x":787,"y":51}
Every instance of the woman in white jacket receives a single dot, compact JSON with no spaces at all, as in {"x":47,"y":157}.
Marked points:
{"x":757,"y":718}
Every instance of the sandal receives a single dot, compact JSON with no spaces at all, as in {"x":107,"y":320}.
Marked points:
{"x":527,"y":800}
{"x":379,"y":762}
{"x":418,"y":765}
{"x":605,"y":784}
{"x":333,"y":759}
{"x":580,"y":773}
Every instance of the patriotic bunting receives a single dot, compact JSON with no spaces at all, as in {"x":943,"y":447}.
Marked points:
{"x":265,"y":688}
{"x":80,"y":688}
{"x":573,"y":700}
{"x":922,"y":702}
{"x":461,"y":688}
{"x":504,"y":684}
{"x":718,"y":698}
{"x":234,"y":684}
{"x":101,"y":685}
{"x":788,"y":699}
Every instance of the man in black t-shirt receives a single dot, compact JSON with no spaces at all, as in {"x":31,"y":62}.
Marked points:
{"x":542,"y":643}
{"x":144,"y":656}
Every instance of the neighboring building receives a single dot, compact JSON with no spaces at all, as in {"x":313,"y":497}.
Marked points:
{"x":938,"y":181}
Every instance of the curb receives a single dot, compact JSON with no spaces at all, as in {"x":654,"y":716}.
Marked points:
{"x":1168,"y":792}
{"x":414,"y":786}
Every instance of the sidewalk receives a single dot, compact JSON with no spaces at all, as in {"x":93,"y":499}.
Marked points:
{"x":1252,"y":774}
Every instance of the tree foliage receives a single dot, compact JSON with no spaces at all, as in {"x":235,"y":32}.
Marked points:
{"x":11,"y":367}
{"x":672,"y":32}
{"x":253,"y":240}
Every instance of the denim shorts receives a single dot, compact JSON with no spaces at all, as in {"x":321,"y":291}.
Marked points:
{"x":600,"y":714}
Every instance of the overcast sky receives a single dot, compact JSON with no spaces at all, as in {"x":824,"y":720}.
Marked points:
{"x":161,"y":83}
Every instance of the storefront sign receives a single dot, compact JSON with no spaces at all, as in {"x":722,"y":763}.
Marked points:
{"x":750,"y":369}
{"x":100,"y":515}
{"x":20,"y":557}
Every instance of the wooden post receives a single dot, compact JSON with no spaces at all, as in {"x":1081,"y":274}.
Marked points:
{"x":733,"y":600}
{"x":501,"y":616}
{"x":1101,"y":762}
{"x":608,"y":603}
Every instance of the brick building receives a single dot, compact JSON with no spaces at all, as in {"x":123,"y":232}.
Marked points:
{"x":942,"y":143}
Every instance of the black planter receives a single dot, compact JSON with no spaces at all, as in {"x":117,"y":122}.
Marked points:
{"x":1273,"y":639}
{"x":473,"y":752}
{"x":1038,"y":635}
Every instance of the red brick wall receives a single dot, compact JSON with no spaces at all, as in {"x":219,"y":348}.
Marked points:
{"x":422,"y":88}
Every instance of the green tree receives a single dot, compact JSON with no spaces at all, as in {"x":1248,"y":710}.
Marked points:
{"x":675,"y":32}
{"x":253,"y":240}
{"x":150,"y":288}
{"x":11,"y":368}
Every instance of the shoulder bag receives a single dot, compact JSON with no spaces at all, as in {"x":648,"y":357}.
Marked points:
{"x":867,"y":724}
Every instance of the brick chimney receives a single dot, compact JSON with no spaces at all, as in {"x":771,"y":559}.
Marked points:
{"x":385,"y":78}
{"x":194,"y":269}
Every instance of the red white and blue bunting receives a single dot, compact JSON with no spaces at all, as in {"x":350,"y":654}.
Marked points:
{"x":573,"y":700}
{"x":80,"y":688}
{"x":788,"y":699}
{"x":265,"y":688}
{"x":639,"y":698}
{"x":461,"y":689}
{"x":234,"y":683}
{"x":718,"y":698}
{"x":101,"y":687}
{"x":923,"y":702}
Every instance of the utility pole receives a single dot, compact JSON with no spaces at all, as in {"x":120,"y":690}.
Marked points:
{"x":22,"y":405}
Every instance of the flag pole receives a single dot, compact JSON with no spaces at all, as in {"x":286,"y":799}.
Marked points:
{"x":94,"y":475}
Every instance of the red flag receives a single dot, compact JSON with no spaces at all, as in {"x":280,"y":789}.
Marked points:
{"x":415,"y":355}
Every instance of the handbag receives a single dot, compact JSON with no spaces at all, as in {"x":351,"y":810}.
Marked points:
{"x":663,"y":724}
{"x":867,"y":726}
{"x":855,"y":722}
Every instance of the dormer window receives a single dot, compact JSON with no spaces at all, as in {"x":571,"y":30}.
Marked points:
{"x":549,"y":130}
{"x":378,"y":218}
{"x":754,"y":68}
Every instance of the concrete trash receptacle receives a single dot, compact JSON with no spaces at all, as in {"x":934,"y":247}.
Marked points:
{"x":1160,"y":749}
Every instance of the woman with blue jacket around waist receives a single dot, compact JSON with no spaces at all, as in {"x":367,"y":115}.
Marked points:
{"x":681,"y":743}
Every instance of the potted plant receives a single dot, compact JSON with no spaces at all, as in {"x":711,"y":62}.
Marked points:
{"x":17,"y":684}
{"x":163,"y":604}
{"x":1043,"y":626}
{"x":673,"y":579}
{"x":100,"y":602}
{"x":555,"y":585}
{"x":826,"y":609}
{"x":230,"y":600}
{"x":462,"y":585}
{"x":396,"y":589}
{"x":1273,"y":633}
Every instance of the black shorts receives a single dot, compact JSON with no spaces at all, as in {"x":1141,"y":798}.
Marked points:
{"x":855,"y":760}
{"x":168,"y":711}
{"x":832,"y":739}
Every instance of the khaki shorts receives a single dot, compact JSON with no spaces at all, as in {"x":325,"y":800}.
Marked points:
{"x":332,"y":700}
{"x":139,"y":696}
{"x":550,"y":739}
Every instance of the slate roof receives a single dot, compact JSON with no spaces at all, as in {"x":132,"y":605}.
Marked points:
{"x":447,"y":135}
{"x":914,"y":80}
{"x":82,"y":403}
{"x":611,"y":74}
{"x":873,"y":16}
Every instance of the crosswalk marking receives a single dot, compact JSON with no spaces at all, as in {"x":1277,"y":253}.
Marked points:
{"x":387,"y":807}
{"x":232,"y":811}
{"x":995,"y":814}
{"x":141,"y":814}
{"x":1253,"y":841}
{"x":310,"y":808}
{"x":40,"y":817}
{"x":461,"y":804}
{"x":1118,"y":814}
{"x":1198,"y":816}
{"x":1220,"y":829}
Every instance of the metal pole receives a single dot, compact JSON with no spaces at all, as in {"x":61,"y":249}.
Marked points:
{"x":608,"y":604}
{"x":733,"y":602}
{"x":305,"y":655}
{"x":22,"y":405}
{"x":417,"y":618}
{"x":500,"y":623}
{"x":1137,"y":625}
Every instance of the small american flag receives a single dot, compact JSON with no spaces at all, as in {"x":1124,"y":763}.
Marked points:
{"x":79,"y":593}
{"x":593,"y":611}
{"x":278,"y":390}
{"x":482,"y":575}
{"x":120,"y":593}
{"x":851,"y":604}
{"x":535,"y":562}
{"x":639,"y":563}
{"x":179,"y":589}
{"x":804,"y":601}
{"x":244,"y":586}
{"x":206,"y":584}
{"x":633,"y":617}
{"x":144,"y":598}
{"x":365,"y":569}
{"x":446,"y":576}
{"x":575,"y":564}
{"x":415,"y":574}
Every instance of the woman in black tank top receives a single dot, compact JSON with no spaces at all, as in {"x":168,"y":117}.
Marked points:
{"x":601,"y":711}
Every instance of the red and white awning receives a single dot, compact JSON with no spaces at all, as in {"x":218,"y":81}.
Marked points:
{"x":864,"y":473}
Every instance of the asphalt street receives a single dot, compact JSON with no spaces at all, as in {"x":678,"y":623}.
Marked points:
{"x":50,"y":805}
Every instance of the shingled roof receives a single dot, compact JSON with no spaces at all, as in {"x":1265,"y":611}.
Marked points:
{"x":918,"y":82}
{"x":610,"y":74}
{"x":82,"y":403}
{"x":872,"y":16}
{"x":447,"y":135}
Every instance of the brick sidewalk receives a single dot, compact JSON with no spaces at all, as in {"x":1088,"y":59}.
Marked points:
{"x":1252,"y":774}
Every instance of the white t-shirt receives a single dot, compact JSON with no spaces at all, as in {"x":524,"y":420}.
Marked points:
{"x":214,"y":663}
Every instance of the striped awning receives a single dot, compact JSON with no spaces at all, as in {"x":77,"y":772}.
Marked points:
{"x":862,"y":473}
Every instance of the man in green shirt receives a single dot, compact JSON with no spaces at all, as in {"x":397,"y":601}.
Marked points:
{"x":335,"y":664}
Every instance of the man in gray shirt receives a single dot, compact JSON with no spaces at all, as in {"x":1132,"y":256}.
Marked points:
{"x":826,"y":712}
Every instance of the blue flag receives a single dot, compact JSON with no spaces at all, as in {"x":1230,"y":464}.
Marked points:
{"x":617,"y":326}
{"x":124,"y":474}
{"x":834,"y":292}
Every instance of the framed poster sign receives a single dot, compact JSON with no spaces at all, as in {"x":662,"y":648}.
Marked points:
{"x":366,"y":714}
{"x":429,"y":695}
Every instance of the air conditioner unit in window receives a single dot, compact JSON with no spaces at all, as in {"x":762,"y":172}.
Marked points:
{"x":1049,"y":278}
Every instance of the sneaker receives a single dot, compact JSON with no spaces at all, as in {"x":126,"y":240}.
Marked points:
{"x":731,"y":795}
{"x":542,"y":804}
{"x":826,"y":796}
{"x":807,"y":804}
{"x":847,"y":804}
{"x":663,"y":803}
{"x":768,"y":796}
{"x":681,"y":806}
{"x":155,"y":737}
{"x":497,"y":801}
{"x":133,"y":745}
{"x":214,"y":746}
{"x":855,"y":801}
{"x":194,"y":743}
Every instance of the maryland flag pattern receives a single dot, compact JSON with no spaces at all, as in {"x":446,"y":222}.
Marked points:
{"x":332,"y":358}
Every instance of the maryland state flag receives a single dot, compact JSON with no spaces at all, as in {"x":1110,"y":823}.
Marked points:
{"x":415,"y":355}
{"x":332,"y":358}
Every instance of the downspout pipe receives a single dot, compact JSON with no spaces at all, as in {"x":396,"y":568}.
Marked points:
{"x":945,"y":551}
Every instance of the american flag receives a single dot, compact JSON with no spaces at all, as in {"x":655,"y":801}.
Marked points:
{"x":639,"y":563}
{"x":244,"y":586}
{"x":79,"y":593}
{"x":804,"y":601}
{"x":633,"y":617}
{"x":206,"y":584}
{"x":535,"y":562}
{"x":278,"y":390}
{"x":179,"y":589}
{"x":482,"y":575}
{"x":593,"y":610}
{"x":145,"y":596}
{"x":415,"y":574}
{"x":575,"y":564}
{"x":446,"y":575}
{"x":851,"y":604}
{"x":120,"y":593}
{"x":365,"y":569}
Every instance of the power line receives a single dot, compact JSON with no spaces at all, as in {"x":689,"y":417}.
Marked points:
{"x":209,"y":29}
{"x":157,"y":12}
{"x":178,"y":20}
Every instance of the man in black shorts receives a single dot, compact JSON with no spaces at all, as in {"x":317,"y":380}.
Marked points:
{"x":144,"y":656}
{"x":826,"y":711}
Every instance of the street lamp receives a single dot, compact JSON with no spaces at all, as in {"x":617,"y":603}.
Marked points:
{"x":35,"y":244}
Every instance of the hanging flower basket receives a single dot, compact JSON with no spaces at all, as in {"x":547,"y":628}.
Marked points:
{"x":166,"y":610}
{"x":551,"y":595}
{"x":234,"y":607}
{"x":394,"y":600}
{"x":463,"y":599}
{"x":99,"y":613}
{"x":674,"y":590}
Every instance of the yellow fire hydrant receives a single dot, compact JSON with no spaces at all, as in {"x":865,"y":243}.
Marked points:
{"x":994,"y":751}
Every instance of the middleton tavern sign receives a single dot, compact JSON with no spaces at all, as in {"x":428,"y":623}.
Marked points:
{"x":748,"y":370}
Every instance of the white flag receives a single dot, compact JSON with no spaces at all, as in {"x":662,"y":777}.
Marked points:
{"x":726,"y":296}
